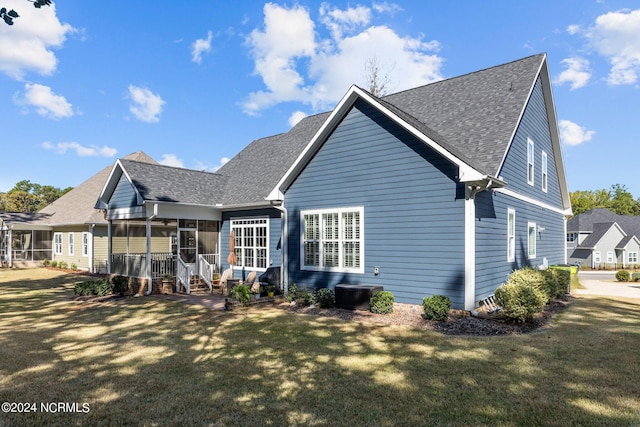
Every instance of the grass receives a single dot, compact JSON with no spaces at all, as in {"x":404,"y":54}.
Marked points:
{"x":147,"y":361}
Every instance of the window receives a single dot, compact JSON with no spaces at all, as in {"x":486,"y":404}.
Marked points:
{"x":610,"y":258}
{"x":85,"y":244}
{"x":57,"y":243}
{"x":333,"y":240}
{"x":511,"y":235}
{"x":530,"y":158}
{"x":531,"y":233}
{"x":632,"y":257}
{"x":70,"y":243}
{"x":572,"y":237}
{"x":597,"y":258}
{"x":544,"y":172}
{"x":251,"y":242}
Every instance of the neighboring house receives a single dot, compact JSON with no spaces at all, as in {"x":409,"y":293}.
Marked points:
{"x":442,"y":189}
{"x":600,"y":238}
{"x":71,"y":230}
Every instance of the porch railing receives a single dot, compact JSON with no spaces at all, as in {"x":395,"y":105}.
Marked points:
{"x":207,"y":265}
{"x":135,"y":265}
{"x":183,"y":276}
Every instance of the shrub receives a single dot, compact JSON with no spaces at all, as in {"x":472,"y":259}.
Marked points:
{"x":520,"y":301}
{"x":46,"y":263}
{"x":529,"y":276}
{"x":99,"y":287}
{"x":74,"y":267}
{"x":305,"y":297}
{"x":63,"y":265}
{"x":382,"y":302}
{"x":635,"y":277}
{"x":436,"y":307}
{"x":623,"y":276}
{"x":291,"y":292}
{"x":553,"y":283}
{"x":326,"y":298}
{"x":54,"y":263}
{"x":119,"y":285}
{"x":564,"y":280}
{"x":241,"y":293}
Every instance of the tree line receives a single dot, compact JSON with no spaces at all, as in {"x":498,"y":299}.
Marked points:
{"x":617,"y":199}
{"x":26,"y":196}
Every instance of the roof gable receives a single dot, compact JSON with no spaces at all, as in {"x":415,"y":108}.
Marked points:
{"x":601,"y":230}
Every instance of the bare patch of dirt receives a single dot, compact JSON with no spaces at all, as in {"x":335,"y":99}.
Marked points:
{"x":460,"y":322}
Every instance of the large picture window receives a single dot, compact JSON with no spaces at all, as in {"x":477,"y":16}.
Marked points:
{"x":251,"y":239}
{"x":511,"y":235}
{"x":333,"y":240}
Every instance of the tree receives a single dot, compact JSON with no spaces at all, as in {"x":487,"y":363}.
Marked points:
{"x":378,"y":80}
{"x":9,"y":15}
{"x":617,"y":199}
{"x":26,"y":196}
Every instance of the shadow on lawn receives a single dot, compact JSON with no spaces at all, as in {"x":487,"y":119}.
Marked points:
{"x":148,"y":361}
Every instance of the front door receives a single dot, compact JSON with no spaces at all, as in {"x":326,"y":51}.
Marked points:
{"x":188,"y":244}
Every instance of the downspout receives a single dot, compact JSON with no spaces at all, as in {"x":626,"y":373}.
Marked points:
{"x":148,"y":233}
{"x":470,"y":248}
{"x":285,"y":247}
{"x":91,"y":248}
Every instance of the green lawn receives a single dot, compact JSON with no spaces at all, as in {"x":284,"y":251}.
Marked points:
{"x":146,"y":361}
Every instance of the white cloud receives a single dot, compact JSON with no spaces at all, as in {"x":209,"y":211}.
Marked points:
{"x":27,"y":44}
{"x":146,"y":105}
{"x":616,"y":35}
{"x":201,"y":46}
{"x":573,"y":29}
{"x":82,"y":151}
{"x":207,"y":167}
{"x":47,"y":103}
{"x":573,"y":134}
{"x":296,"y":64}
{"x":171,"y":160}
{"x":295,"y":118}
{"x":577,"y":73}
{"x":384,"y":7}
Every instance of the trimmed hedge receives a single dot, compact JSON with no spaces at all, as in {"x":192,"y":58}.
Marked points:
{"x":99,"y":287}
{"x":382,"y":302}
{"x":635,"y":277}
{"x":623,"y":276}
{"x":436,"y":307}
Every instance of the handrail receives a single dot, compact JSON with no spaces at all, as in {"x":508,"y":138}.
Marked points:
{"x":206,"y":271}
{"x":183,"y":276}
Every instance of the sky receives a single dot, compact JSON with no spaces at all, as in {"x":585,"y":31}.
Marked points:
{"x":192,"y":83}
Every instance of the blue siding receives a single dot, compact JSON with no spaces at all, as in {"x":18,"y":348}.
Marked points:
{"x":534,"y":125}
{"x":275,"y":231}
{"x":413,"y":209}
{"x":492,"y":267}
{"x":123,"y":195}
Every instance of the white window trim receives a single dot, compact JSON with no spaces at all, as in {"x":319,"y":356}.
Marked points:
{"x":610,"y":256}
{"x":511,"y":236}
{"x":71,"y":240}
{"x":238,"y":223}
{"x":320,"y":267}
{"x":85,"y":244}
{"x":57,"y":246}
{"x":635,"y":257}
{"x":597,"y":257}
{"x":531,"y":169}
{"x":531,"y":254}
{"x":545,"y":175}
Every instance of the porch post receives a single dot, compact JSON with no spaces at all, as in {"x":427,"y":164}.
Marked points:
{"x":148,"y":234}
{"x":9,"y":248}
{"x":109,"y":248}
{"x":469,"y":249}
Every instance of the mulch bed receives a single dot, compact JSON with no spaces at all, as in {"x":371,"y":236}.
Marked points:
{"x":460,"y":322}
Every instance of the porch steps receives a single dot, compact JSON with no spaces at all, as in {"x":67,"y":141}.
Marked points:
{"x":198,"y":286}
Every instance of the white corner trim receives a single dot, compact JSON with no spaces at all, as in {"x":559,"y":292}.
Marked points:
{"x":532,"y":201}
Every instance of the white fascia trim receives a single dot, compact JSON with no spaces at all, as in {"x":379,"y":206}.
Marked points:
{"x":532,"y":201}
{"x":466,"y":172}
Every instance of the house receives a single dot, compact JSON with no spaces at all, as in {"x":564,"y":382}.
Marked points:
{"x":600,"y":238}
{"x":441,"y":189}
{"x":70,"y":229}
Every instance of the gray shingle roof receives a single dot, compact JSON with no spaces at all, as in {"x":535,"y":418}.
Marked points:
{"x":472,"y":116}
{"x":599,"y":230}
{"x":163,"y":183}
{"x":584,"y":222}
